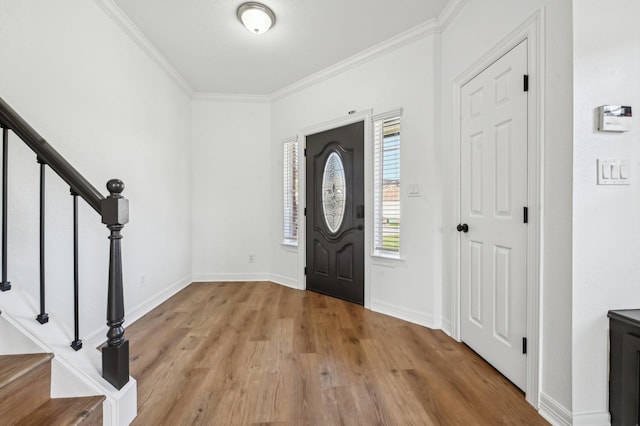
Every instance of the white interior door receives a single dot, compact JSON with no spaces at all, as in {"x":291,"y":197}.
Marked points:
{"x":493,"y":251}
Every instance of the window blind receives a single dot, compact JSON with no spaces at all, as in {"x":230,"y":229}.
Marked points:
{"x":387,"y":186}
{"x":290,"y":194}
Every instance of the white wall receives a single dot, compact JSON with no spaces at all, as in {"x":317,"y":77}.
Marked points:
{"x":106,"y":107}
{"x":231,"y":175}
{"x":606,"y":225}
{"x":475,"y":31}
{"x":409,"y":288}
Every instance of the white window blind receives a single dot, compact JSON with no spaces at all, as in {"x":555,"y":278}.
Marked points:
{"x":387,"y":185}
{"x":290,"y":187}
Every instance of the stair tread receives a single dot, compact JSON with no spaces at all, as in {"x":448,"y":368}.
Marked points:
{"x":13,"y":367}
{"x":66,"y":412}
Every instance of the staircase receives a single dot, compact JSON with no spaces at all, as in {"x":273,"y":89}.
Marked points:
{"x":25,"y":386}
{"x":30,"y":378}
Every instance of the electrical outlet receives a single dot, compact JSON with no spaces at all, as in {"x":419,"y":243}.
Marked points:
{"x":143,"y":281}
{"x":252,"y":258}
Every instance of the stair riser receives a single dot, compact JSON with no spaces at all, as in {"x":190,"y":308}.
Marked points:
{"x":21,"y":397}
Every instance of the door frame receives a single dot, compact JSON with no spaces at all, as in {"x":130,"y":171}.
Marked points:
{"x":354,"y":117}
{"x":532,"y":32}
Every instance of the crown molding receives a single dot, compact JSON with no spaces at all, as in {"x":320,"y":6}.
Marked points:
{"x":231,"y":97}
{"x":425,"y":29}
{"x":135,"y":34}
{"x":449,"y":12}
{"x":420,"y":31}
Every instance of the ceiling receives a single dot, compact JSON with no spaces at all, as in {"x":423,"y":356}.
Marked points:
{"x":204,"y":41}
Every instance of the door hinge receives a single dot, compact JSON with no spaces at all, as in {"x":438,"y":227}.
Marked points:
{"x":526,"y":214}
{"x":305,"y":211}
{"x":305,"y":152}
{"x":526,"y":83}
{"x":305,"y":270}
{"x":524,"y":345}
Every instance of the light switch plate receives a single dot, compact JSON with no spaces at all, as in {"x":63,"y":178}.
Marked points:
{"x":613,"y":172}
{"x":414,"y":190}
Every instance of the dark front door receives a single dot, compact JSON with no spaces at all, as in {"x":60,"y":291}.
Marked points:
{"x":335,"y":212}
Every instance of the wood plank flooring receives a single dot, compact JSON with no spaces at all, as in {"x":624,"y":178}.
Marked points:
{"x":260,"y":353}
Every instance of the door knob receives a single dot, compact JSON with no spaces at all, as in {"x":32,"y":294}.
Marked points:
{"x":463,"y":228}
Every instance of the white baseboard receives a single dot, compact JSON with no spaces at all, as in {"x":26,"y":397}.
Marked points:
{"x":97,"y":337}
{"x":592,"y":419}
{"x":145,"y":307}
{"x":554,"y":412}
{"x":212,"y":277}
{"x":403,"y":313}
{"x":251,"y":277}
{"x":446,"y":327}
{"x":285,"y":281}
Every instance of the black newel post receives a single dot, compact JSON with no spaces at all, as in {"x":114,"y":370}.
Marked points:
{"x":115,"y":356}
{"x":4,"y":285}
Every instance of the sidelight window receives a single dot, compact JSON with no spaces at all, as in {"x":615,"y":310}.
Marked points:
{"x":290,"y":195}
{"x":386,"y":198}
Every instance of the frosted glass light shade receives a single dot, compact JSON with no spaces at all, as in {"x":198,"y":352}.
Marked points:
{"x":257,"y":17}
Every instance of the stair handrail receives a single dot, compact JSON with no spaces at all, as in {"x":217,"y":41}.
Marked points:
{"x":48,"y":155}
{"x":114,"y":211}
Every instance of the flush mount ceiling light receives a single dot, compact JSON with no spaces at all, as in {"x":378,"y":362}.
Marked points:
{"x":257,"y":17}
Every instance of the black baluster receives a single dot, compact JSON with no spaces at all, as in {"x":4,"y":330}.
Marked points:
{"x":4,"y":285}
{"x":77,"y":343}
{"x":42,"y":317}
{"x":115,"y":356}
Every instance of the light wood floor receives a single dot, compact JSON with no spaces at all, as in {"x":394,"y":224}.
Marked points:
{"x":260,"y":353}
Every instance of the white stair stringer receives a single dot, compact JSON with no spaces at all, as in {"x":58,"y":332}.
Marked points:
{"x":73,"y":373}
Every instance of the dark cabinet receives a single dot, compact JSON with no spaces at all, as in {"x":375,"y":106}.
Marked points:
{"x":624,"y":367}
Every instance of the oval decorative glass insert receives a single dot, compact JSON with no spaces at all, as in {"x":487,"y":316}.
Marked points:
{"x":333,"y":192}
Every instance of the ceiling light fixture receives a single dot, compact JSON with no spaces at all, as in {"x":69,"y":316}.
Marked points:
{"x":257,"y":17}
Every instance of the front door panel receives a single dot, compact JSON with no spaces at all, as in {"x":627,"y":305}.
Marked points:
{"x":335,"y":213}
